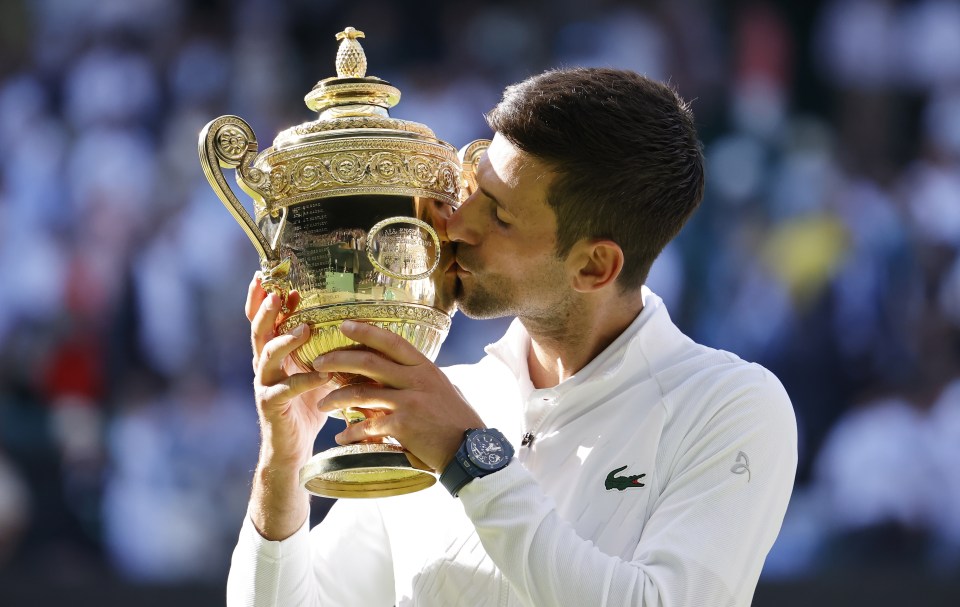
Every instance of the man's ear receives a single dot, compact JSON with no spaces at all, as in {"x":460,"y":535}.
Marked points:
{"x":594,"y":264}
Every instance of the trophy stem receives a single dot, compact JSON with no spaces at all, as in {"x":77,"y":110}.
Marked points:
{"x":353,"y":416}
{"x":365,"y":470}
{"x":375,"y":467}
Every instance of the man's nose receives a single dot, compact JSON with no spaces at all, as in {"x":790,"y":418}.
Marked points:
{"x":437,"y":214}
{"x":463,"y":225}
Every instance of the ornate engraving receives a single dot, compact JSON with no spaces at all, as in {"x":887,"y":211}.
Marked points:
{"x":359,"y":166}
{"x":422,"y":326}
{"x":306,"y":174}
{"x":387,"y":167}
{"x":400,"y":312}
{"x":231,"y":144}
{"x":447,"y":180}
{"x":278,"y":181}
{"x":346,"y":168}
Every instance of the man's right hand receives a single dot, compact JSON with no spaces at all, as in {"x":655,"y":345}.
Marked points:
{"x":289,"y":418}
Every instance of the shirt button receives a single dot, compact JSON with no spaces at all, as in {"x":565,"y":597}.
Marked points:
{"x":548,"y":396}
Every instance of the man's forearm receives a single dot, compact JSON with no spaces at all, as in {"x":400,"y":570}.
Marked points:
{"x":278,"y":504}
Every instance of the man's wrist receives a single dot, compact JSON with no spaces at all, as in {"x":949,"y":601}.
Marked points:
{"x":483,"y":451}
{"x":454,"y":478}
{"x":276,"y":472}
{"x":278,"y":504}
{"x":278,"y":451}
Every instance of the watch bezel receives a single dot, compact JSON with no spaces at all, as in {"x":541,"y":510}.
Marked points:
{"x":478,"y":434}
{"x":463,"y":468}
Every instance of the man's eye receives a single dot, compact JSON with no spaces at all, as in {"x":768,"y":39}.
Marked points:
{"x":500,"y":218}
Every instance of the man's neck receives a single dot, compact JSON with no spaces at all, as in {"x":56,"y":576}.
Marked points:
{"x":560,"y":350}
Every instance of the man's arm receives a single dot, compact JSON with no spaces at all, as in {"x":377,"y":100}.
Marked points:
{"x":272,"y":563}
{"x":289,"y":419}
{"x":704,"y":544}
{"x":344,"y":560}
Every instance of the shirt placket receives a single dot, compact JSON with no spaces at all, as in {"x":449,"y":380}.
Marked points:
{"x":540,"y":404}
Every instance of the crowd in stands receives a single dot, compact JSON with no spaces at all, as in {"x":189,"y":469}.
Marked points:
{"x":827,"y":247}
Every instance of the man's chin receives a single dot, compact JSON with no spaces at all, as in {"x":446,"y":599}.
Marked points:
{"x":471,"y":308}
{"x":475,"y":315}
{"x":479,"y":304}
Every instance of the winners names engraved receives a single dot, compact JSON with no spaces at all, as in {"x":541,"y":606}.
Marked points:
{"x":311,"y":243}
{"x":404,"y":250}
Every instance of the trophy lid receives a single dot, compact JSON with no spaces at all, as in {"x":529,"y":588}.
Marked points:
{"x":353,"y":147}
{"x":351,"y":100}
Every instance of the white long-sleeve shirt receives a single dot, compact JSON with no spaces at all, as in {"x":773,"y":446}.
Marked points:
{"x":711,"y":441}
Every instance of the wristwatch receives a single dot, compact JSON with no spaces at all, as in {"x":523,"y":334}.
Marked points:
{"x":482,"y":452}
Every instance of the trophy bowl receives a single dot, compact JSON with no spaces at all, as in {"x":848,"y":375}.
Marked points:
{"x":345,"y":212}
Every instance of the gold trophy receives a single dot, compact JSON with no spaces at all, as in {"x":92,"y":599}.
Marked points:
{"x":345,"y":209}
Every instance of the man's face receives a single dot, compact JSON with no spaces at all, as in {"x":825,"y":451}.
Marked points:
{"x":505,"y":234}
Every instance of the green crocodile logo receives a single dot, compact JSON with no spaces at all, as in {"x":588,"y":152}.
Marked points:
{"x":622,"y":482}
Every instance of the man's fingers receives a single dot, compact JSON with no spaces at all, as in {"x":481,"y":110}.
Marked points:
{"x":270,"y":363}
{"x":302,"y":383}
{"x":389,"y":343}
{"x":372,"y":427}
{"x":367,"y":363}
{"x":360,"y":396}
{"x":255,"y":296}
{"x":262,"y":325}
{"x":286,"y":390}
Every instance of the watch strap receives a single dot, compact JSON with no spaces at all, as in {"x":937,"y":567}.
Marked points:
{"x":455,"y":476}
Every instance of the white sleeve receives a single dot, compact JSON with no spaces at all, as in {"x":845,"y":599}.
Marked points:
{"x":343,"y":561}
{"x":703,"y":544}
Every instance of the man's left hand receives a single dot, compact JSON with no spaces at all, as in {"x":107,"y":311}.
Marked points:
{"x":425,"y":412}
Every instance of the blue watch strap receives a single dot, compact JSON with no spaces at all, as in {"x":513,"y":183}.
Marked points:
{"x":455,"y":476}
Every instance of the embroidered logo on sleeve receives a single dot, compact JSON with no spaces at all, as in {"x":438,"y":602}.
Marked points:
{"x":621,"y":483}
{"x":742,"y":465}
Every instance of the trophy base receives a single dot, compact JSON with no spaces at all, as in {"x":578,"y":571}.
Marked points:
{"x":365,"y":470}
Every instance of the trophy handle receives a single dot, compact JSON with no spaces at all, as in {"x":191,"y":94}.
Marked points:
{"x":229,"y":142}
{"x":470,"y":156}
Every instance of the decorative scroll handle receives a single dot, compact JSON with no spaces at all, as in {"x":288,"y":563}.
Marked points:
{"x":229,"y":142}
{"x":470,"y":156}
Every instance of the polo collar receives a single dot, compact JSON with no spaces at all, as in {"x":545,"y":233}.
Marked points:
{"x":636,"y":346}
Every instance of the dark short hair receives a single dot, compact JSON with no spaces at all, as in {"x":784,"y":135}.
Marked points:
{"x":625,"y":150}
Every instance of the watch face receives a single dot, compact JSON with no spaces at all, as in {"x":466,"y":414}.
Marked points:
{"x":487,"y":451}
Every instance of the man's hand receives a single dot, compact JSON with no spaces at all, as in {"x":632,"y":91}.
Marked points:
{"x":289,"y":417}
{"x":425,"y":412}
{"x":286,"y":399}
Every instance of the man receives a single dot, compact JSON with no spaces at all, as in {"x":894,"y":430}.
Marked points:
{"x":649,"y":470}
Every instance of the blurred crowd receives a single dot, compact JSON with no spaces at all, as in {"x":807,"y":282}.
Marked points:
{"x":827,"y":248}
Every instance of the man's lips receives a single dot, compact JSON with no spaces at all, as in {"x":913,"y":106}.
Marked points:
{"x":449,"y":264}
{"x":461,"y":255}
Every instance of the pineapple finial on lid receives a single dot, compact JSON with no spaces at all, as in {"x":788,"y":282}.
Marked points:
{"x":351,"y":60}
{"x":352,"y":92}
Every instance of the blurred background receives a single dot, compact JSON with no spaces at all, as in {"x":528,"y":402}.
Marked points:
{"x":827,"y":249}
